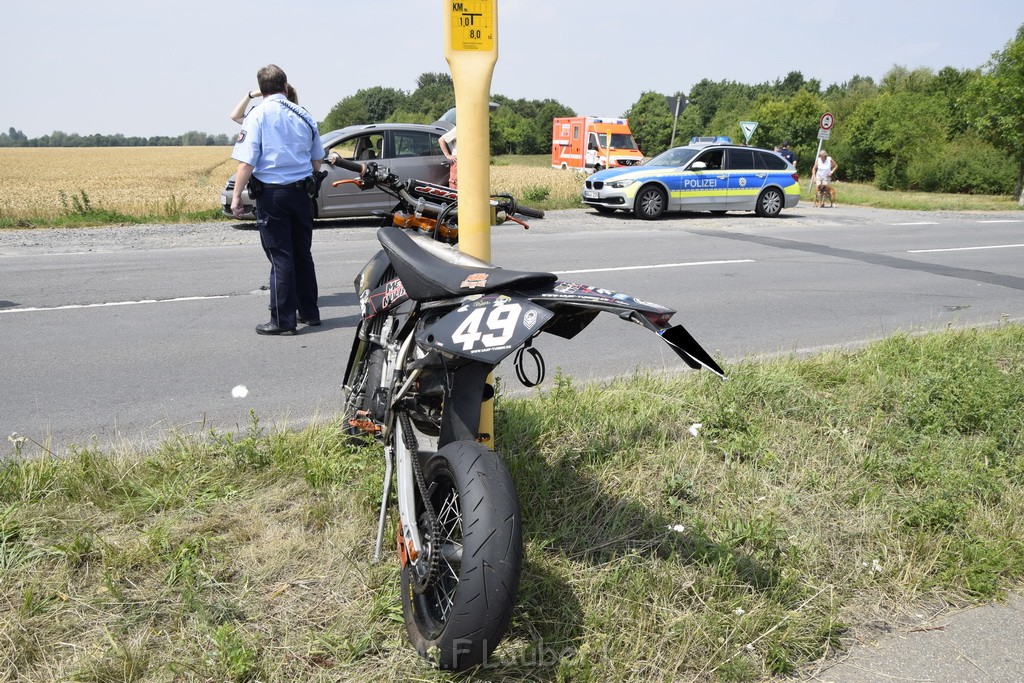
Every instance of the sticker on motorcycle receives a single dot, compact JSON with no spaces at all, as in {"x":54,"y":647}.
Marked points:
{"x":501,"y":319}
{"x":474,"y":281}
{"x":486,"y":332}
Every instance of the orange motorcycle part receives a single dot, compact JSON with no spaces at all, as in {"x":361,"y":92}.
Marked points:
{"x":424,"y":225}
{"x":406,"y":552}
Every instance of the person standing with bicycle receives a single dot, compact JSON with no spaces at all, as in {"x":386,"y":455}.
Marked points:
{"x":279,"y":153}
{"x":823,"y":171}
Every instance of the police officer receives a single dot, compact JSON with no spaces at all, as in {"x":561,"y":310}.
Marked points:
{"x":278,"y":152}
{"x":787,"y":153}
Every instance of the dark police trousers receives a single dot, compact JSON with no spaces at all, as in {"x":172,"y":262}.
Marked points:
{"x":284,"y":215}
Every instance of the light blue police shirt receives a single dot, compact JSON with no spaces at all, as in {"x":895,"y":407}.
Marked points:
{"x":279,"y":140}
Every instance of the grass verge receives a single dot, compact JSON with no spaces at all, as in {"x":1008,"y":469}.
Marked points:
{"x":816,"y":497}
{"x":862,"y":194}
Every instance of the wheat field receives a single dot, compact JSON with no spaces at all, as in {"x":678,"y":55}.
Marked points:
{"x":134,"y":181}
{"x":46,"y":183}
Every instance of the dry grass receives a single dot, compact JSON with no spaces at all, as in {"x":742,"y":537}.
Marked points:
{"x":819,"y":500}
{"x":134,"y":181}
{"x":541,"y":187}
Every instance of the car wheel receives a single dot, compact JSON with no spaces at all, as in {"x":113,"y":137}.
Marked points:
{"x":650,"y":202}
{"x":770,"y":203}
{"x":606,"y":210}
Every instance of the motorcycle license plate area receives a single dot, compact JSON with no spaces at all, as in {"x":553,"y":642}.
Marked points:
{"x":486,"y":328}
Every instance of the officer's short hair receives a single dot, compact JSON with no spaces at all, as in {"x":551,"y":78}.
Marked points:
{"x":271,"y":79}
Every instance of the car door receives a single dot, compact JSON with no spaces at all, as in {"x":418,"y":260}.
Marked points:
{"x":348,"y":199}
{"x":704,"y":185}
{"x":417,"y":154}
{"x":745,"y":180}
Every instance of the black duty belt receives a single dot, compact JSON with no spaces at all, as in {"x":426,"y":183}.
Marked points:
{"x":300,"y":184}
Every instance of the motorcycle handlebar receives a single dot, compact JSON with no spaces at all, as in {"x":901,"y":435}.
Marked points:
{"x":349,"y":165}
{"x":527,"y":211}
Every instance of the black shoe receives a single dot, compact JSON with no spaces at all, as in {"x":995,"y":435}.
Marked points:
{"x":312,"y":322}
{"x":273,"y":328}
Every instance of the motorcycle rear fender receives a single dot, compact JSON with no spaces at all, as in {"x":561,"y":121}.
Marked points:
{"x":596,"y":298}
{"x":576,"y":305}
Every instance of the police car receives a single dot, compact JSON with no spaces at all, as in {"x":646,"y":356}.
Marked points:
{"x":698,"y":177}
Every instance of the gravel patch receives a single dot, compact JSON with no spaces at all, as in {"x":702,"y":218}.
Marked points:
{"x":25,"y":241}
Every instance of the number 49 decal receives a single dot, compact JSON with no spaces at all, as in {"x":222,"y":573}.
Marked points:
{"x":500,"y":325}
{"x":486,"y":329}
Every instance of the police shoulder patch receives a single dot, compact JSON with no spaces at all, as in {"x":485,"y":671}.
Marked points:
{"x":241,"y":136}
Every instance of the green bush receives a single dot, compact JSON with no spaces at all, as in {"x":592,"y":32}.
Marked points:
{"x":965,"y":165}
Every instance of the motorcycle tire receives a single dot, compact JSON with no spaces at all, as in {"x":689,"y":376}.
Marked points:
{"x":458,"y":619}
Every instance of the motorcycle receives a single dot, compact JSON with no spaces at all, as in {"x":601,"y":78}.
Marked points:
{"x":435,"y":323}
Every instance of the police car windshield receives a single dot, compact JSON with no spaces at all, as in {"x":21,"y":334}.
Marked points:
{"x":673,"y":157}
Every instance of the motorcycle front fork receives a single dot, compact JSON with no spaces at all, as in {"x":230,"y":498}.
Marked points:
{"x":460,"y":422}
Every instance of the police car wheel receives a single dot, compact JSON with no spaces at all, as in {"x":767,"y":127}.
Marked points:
{"x":649,"y":203}
{"x":770,"y":203}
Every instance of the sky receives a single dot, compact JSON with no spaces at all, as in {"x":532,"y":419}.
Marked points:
{"x":148,"y":67}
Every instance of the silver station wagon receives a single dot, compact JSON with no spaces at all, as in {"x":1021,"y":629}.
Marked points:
{"x":410,"y":150}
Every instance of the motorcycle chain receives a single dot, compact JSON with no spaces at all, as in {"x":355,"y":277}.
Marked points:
{"x":433,"y":551}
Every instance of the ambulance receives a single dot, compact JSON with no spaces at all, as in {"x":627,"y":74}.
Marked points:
{"x":589,"y":143}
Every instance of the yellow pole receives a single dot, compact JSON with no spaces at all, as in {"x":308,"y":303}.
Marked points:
{"x":471,"y":48}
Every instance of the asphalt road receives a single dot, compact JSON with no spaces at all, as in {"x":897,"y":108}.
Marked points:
{"x":125,"y":334}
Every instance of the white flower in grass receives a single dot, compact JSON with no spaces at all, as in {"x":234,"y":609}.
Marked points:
{"x":875,"y":568}
{"x":695,"y":429}
{"x":241,"y":391}
{"x":678,"y":528}
{"x":739,"y":611}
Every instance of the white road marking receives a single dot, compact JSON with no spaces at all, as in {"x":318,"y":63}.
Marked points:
{"x":660,"y":265}
{"x":113,"y":303}
{"x":994,"y":246}
{"x":1004,"y":220}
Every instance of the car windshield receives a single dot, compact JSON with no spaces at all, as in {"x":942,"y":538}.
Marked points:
{"x":622,"y":141}
{"x":673,"y":157}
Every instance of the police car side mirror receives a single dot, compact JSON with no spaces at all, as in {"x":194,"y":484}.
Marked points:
{"x":698,"y":166}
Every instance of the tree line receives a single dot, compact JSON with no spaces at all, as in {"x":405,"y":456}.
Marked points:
{"x":193,"y":138}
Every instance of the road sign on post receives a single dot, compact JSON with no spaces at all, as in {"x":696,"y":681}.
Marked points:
{"x":748,"y":128}
{"x":471,"y":48}
{"x":826,"y":121}
{"x":676,"y":104}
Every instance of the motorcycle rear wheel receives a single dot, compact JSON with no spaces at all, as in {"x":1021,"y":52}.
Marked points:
{"x":460,"y":617}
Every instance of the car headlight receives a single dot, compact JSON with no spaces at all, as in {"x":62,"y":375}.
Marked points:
{"x":619,"y":184}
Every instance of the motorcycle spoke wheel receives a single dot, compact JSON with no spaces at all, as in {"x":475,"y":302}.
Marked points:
{"x":459,"y":614}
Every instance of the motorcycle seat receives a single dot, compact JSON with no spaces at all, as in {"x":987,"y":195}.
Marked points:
{"x":427,"y":277}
